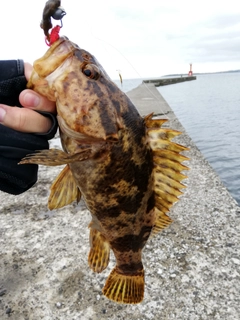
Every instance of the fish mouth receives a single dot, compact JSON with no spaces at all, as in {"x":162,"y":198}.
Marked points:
{"x":59,"y":52}
{"x":82,"y":137}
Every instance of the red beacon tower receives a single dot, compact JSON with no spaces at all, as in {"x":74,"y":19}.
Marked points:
{"x":190,"y":73}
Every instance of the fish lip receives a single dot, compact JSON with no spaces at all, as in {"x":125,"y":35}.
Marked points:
{"x":82,"y":137}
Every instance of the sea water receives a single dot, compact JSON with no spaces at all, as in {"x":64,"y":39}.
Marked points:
{"x":209,"y":110}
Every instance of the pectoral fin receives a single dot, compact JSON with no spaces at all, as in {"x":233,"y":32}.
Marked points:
{"x":55,"y":157}
{"x":64,"y":190}
{"x":98,"y":257}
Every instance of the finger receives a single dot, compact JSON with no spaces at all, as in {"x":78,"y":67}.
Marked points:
{"x":31,"y":99}
{"x":24,"y":120}
{"x":27,"y":70}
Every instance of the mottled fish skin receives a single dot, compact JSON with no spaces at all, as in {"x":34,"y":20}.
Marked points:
{"x":114,"y":158}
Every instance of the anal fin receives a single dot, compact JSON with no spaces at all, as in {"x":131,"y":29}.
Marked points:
{"x":64,"y":190}
{"x":123,"y":288}
{"x":98,"y":257}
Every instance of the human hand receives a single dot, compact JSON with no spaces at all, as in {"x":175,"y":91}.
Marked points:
{"x":26,"y":119}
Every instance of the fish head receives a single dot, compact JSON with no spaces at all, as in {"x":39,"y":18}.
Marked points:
{"x":87,"y":100}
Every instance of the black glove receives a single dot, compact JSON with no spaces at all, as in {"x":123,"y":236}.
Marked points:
{"x":15,"y":145}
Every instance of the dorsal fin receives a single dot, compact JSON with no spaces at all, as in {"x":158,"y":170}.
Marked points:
{"x":167,"y":170}
{"x":162,"y":221}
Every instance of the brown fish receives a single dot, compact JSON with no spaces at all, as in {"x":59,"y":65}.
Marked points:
{"x":126,"y":167}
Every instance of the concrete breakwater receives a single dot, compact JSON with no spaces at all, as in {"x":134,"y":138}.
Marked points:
{"x":192,"y":268}
{"x":167,"y":81}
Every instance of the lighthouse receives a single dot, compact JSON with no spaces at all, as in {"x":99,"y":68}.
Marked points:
{"x":190,"y":71}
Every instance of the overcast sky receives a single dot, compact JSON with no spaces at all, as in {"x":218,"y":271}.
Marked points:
{"x":147,"y":38}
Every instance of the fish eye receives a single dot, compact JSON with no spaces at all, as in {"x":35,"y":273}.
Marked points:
{"x":91,"y":71}
{"x":87,"y":72}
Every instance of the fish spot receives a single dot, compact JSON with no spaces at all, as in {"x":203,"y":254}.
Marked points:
{"x":116,"y":104}
{"x":151,"y":203}
{"x":131,"y":241}
{"x":85,"y":118}
{"x":65,"y":84}
{"x":94,"y":87}
{"x":130,"y":204}
{"x":131,"y":268}
{"x":112,"y":88}
{"x":113,"y":211}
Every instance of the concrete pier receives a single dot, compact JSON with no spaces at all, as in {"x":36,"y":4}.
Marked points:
{"x":192,"y":269}
{"x":167,"y":81}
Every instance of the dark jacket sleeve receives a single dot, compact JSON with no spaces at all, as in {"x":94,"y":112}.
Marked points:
{"x":15,"y":145}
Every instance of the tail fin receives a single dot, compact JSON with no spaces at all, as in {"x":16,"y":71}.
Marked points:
{"x":124,"y":288}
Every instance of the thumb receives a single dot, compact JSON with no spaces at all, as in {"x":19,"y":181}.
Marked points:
{"x":31,"y":99}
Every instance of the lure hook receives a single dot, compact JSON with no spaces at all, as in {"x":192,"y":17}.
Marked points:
{"x":59,"y":14}
{"x":53,"y":10}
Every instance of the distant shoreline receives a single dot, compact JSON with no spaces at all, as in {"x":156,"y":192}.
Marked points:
{"x":171,"y":75}
{"x":199,"y":73}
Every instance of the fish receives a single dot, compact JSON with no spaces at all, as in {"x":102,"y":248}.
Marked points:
{"x":126,"y":167}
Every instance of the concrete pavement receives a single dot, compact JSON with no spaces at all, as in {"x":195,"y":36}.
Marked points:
{"x":192,"y":268}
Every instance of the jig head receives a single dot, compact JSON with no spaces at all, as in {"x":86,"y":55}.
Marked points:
{"x":53,"y":10}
